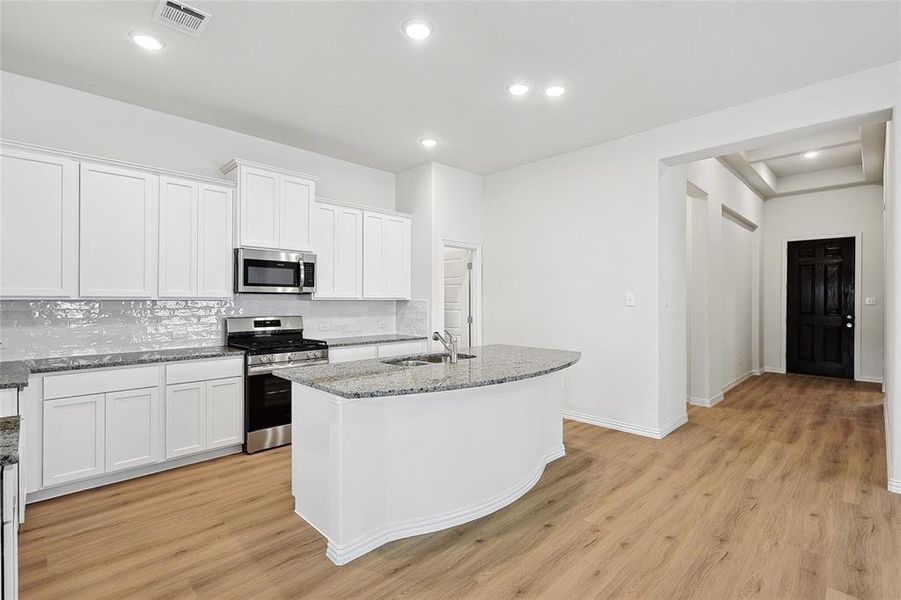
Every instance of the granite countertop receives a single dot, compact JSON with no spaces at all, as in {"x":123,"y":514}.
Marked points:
{"x":491,"y":365}
{"x":15,"y":373}
{"x":9,"y":440}
{"x":366,"y":340}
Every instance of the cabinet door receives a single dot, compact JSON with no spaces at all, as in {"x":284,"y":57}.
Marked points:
{"x":349,"y":353}
{"x":349,"y":253}
{"x":324,"y":240}
{"x":186,"y":419}
{"x":296,"y":200}
{"x":215,"y":257}
{"x":259,"y":200}
{"x":373,"y":255}
{"x":225,"y":412}
{"x":178,"y":238}
{"x":38,"y":225}
{"x":73,"y":439}
{"x":119,"y":211}
{"x":133,"y":429}
{"x":397,"y":257}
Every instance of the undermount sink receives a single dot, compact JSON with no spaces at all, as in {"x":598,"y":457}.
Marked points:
{"x":426,"y":359}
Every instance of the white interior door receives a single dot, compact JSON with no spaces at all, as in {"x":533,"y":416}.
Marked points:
{"x":457,"y":294}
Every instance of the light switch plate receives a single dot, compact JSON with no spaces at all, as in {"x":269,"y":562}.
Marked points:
{"x":870,"y":301}
{"x":630,"y":299}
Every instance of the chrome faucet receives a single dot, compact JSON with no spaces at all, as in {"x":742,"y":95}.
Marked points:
{"x":450,"y":343}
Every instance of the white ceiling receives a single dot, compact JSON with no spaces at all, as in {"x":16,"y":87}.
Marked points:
{"x":847,"y":155}
{"x":340,"y":78}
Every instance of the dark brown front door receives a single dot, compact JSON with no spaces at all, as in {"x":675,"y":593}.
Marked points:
{"x":820,"y":308}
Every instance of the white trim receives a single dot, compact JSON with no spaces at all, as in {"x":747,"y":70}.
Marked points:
{"x":858,"y":290}
{"x":779,"y":370}
{"x":759,"y":372}
{"x":341,"y":555}
{"x":95,"y":482}
{"x":476,"y":249}
{"x":240,"y":162}
{"x":642,"y":430}
{"x":740,"y":379}
{"x":868,"y":379}
{"x":705,"y":402}
{"x":366,"y":207}
{"x":78,"y":156}
{"x":894,"y":485}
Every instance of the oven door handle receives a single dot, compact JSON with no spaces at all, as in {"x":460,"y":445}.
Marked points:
{"x":266,"y":369}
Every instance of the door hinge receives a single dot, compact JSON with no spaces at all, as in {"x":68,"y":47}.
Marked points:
{"x":469,"y":266}
{"x":469,"y":319}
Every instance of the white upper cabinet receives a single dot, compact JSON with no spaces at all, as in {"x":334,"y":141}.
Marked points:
{"x":38,"y":225}
{"x":274,"y":206}
{"x":195,"y":240}
{"x":119,"y":214}
{"x":215,"y":269}
{"x":178,"y":238}
{"x":386,"y":256}
{"x":338,"y":242}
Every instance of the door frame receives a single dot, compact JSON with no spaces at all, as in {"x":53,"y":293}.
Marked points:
{"x":475,"y":285}
{"x":858,"y":284}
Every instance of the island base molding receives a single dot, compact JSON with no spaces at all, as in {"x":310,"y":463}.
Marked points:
{"x":343,"y":555}
{"x":369,"y":471}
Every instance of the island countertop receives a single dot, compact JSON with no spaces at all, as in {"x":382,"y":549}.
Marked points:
{"x":492,"y":365}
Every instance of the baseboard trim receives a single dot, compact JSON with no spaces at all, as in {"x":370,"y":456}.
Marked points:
{"x":778,"y":370}
{"x":705,"y":402}
{"x":737,"y":381}
{"x":868,"y":379}
{"x":894,"y":485}
{"x":651,"y":432}
{"x":95,"y":482}
{"x":341,"y":555}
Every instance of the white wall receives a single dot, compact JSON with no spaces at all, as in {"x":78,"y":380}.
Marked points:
{"x":446,"y":204}
{"x":46,"y":114}
{"x":827,"y":214}
{"x":610,"y":219}
{"x":735,"y":299}
{"x":892,"y":323}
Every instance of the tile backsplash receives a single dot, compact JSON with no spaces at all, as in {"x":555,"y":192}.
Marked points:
{"x":47,"y":328}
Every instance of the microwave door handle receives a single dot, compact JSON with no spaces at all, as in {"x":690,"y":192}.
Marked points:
{"x":303,"y":275}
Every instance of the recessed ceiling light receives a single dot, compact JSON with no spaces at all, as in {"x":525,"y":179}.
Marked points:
{"x":811,"y":154}
{"x":147,"y":41}
{"x":554,"y":90}
{"x":519,"y":88}
{"x":417,"y":29}
{"x":428,"y":142}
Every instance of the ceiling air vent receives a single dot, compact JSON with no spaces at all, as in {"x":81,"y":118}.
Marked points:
{"x":181,"y":17}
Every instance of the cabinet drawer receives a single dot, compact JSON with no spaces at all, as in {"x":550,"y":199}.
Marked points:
{"x":401,"y":349}
{"x":208,"y":369}
{"x":346,"y":354}
{"x":100,"y":382}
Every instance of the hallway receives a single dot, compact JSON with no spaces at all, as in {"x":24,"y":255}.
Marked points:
{"x":777,"y":492}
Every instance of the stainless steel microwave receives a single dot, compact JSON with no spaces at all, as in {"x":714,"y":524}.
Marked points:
{"x":274,"y":271}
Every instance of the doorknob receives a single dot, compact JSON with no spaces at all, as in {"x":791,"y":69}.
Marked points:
{"x":849,"y":325}
{"x":849,"y":317}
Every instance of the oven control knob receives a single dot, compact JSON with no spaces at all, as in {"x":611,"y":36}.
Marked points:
{"x":266,"y":359}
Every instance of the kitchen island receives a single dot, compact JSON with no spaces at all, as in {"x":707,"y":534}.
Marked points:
{"x":388,"y":449}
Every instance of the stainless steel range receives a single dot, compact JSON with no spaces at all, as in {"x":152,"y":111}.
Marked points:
{"x":270,"y":343}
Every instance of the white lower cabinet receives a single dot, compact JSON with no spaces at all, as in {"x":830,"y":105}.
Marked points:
{"x":185,"y":418}
{"x":204,"y":415}
{"x":402,"y":349}
{"x":133,"y":429}
{"x":224,"y":412}
{"x":349,"y":353}
{"x":10,"y":532}
{"x":73,"y":439}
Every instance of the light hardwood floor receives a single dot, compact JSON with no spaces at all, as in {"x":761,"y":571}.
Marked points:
{"x":777,"y":492}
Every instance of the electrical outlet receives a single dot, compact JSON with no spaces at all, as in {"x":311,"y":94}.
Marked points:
{"x":630,"y":299}
{"x":870,"y":301}
{"x":324,"y":327}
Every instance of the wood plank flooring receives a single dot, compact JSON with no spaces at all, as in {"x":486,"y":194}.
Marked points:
{"x":777,"y":492}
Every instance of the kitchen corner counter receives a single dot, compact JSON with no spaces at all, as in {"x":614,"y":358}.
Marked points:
{"x":369,"y":340}
{"x":491,"y":365}
{"x":9,"y":440}
{"x":16,"y":373}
